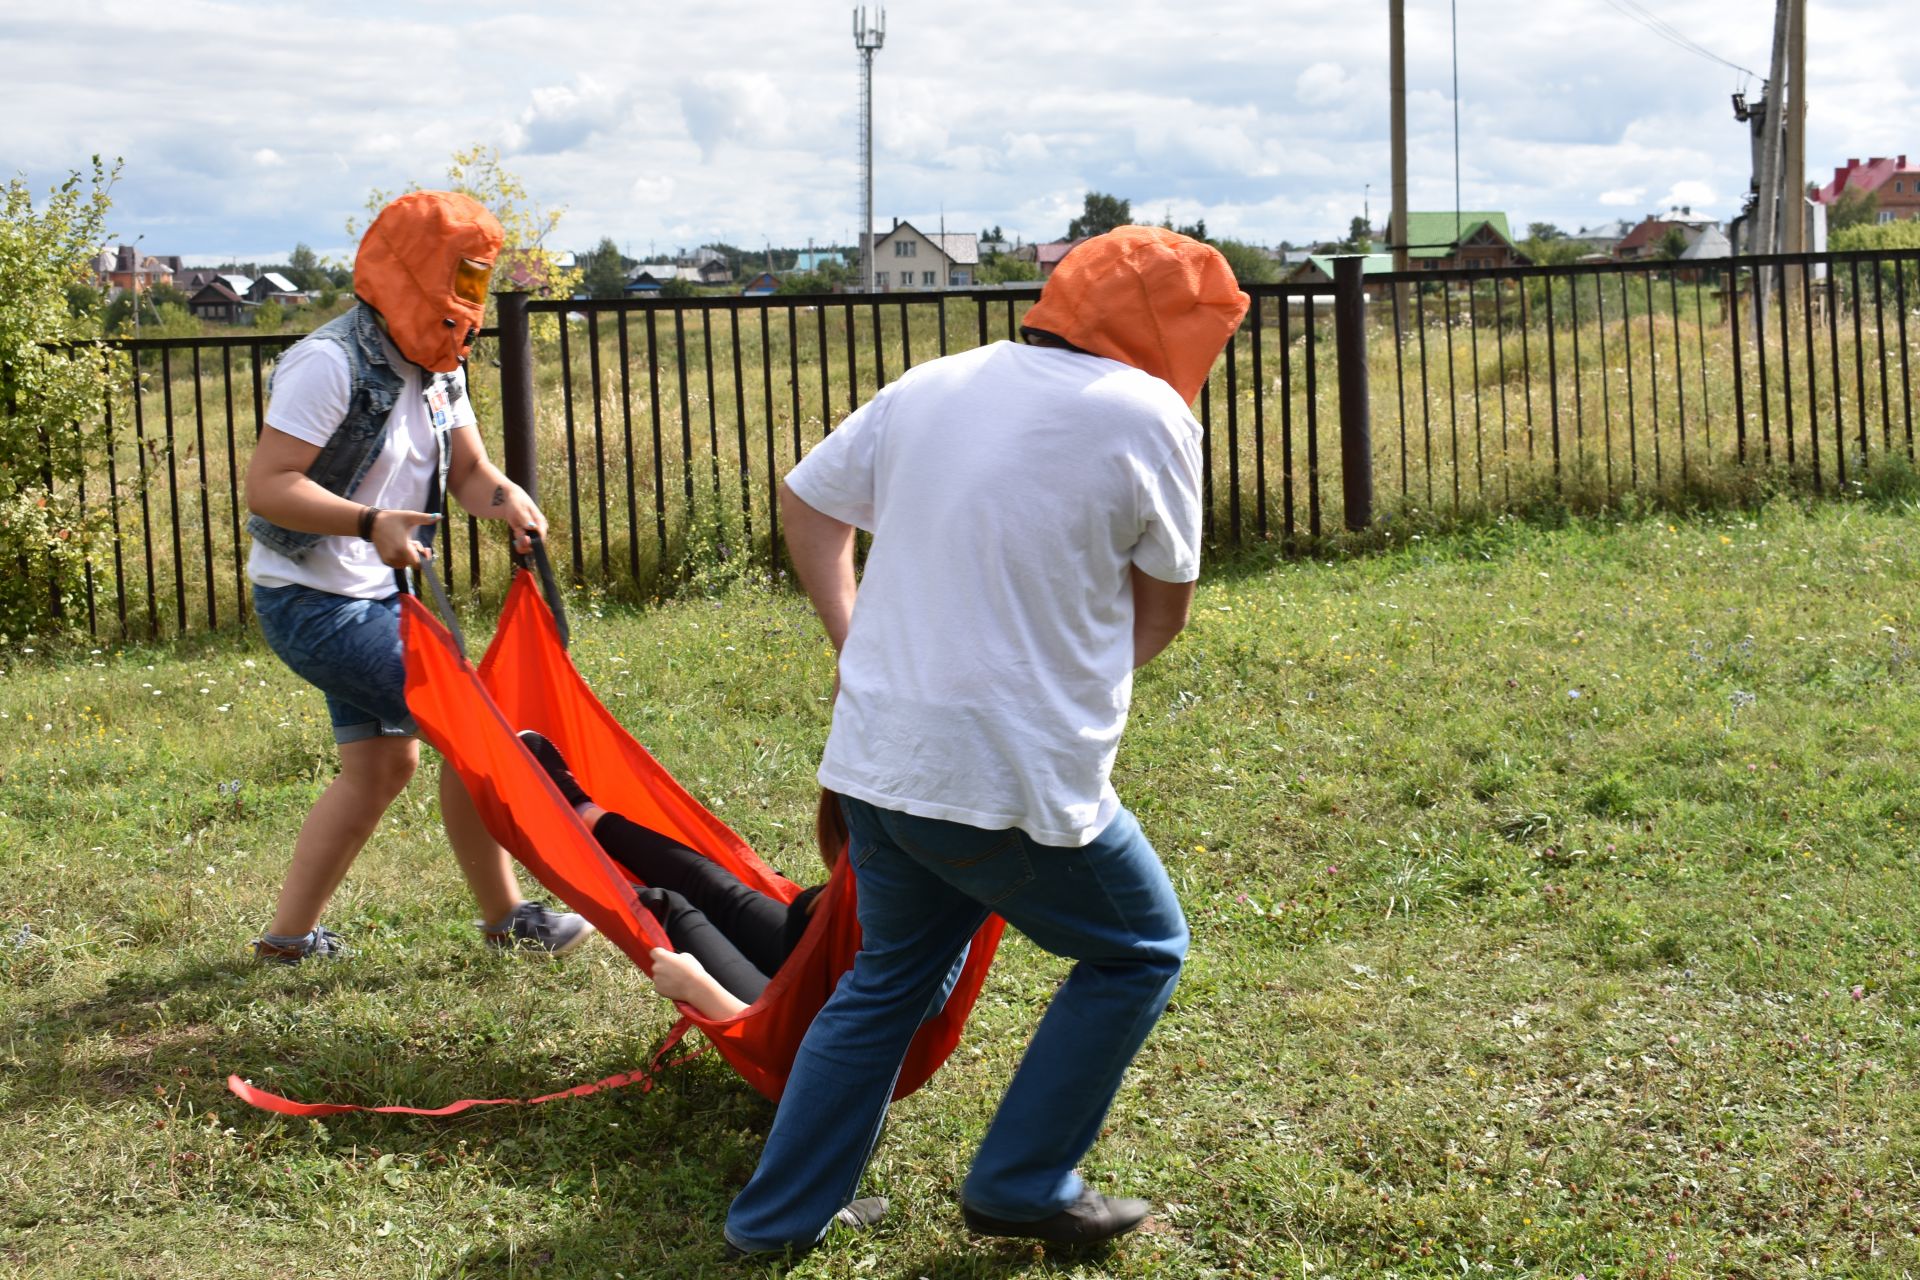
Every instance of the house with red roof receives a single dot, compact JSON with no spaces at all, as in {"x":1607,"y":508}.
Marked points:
{"x":1890,"y":180}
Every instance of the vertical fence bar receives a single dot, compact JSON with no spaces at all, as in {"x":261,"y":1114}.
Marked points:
{"x":1579,"y":399}
{"x":1313,"y":433}
{"x":1286,"y":411}
{"x":940,"y":313}
{"x":1859,"y":360}
{"x":1606,"y":380}
{"x":113,"y":493}
{"x":740,"y":431}
{"x":853,"y":373}
{"x":573,"y":452}
{"x":1206,"y":460}
{"x":879,"y":345}
{"x":233,"y":488}
{"x":1553,"y":381}
{"x":1426,"y":391}
{"x":793,"y":375}
{"x":1526,"y":361}
{"x":1786,"y":367}
{"x":1356,"y":423}
{"x":713,"y":409}
{"x":1400,"y":377}
{"x":173,"y":489}
{"x":1500,"y":343}
{"x":206,"y":507}
{"x":516,"y":392}
{"x":1813,"y":376}
{"x":1626,"y":340}
{"x":1706,"y":401}
{"x":980,"y":319}
{"x":826,"y":380}
{"x":659,"y":441}
{"x":1679,"y":369}
{"x":1880,"y":347}
{"x":1259,"y":420}
{"x":906,"y":339}
{"x":686,"y":410}
{"x":1479,"y":423}
{"x":1453,"y":394}
{"x":766,"y":391}
{"x":1233,"y":437}
{"x":594,"y":385}
{"x":1653,"y":380}
{"x":623,"y":336}
{"x":1906,"y":382}
{"x":1760,"y":360}
{"x":1736,"y":341}
{"x":1839,"y":406}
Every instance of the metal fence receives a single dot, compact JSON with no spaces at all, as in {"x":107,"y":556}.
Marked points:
{"x":655,"y":431}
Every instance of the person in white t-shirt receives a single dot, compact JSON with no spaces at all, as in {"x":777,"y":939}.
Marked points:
{"x":1035,"y":511}
{"x":368,"y":428}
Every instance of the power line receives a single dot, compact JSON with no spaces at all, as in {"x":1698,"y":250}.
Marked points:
{"x":1672,"y":35}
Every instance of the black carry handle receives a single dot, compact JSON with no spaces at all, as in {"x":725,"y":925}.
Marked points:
{"x":537,"y":560}
{"x":441,"y":601}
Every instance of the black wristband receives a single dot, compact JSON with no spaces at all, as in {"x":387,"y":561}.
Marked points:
{"x":367,"y":515}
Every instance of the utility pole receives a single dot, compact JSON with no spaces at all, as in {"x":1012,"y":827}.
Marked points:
{"x":1767,"y":203}
{"x":1793,"y":202}
{"x":1397,"y":90}
{"x":867,"y":39}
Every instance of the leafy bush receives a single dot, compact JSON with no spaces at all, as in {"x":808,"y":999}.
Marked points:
{"x":46,"y":388}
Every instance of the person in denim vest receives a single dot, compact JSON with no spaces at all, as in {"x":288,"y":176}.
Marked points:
{"x":368,"y":428}
{"x":1035,"y":510}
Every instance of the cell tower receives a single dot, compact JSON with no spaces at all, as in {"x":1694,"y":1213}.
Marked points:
{"x":867,"y":39}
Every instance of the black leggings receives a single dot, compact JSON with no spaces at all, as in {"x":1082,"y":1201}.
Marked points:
{"x":739,"y":935}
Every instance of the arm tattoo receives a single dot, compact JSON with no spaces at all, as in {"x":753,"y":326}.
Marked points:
{"x":499,"y":495}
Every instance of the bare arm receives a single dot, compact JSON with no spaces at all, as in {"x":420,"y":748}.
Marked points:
{"x":822,"y":551}
{"x":1159,"y":614}
{"x":484,"y":489}
{"x":278,"y":489}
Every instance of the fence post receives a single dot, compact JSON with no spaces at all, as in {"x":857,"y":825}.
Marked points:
{"x":1356,"y":420}
{"x":516,"y":392}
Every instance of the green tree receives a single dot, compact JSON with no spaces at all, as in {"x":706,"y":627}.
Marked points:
{"x":1004,"y":268}
{"x":678,"y":288}
{"x":1853,"y":209}
{"x":1553,"y":250}
{"x":1250,"y":265}
{"x":304,"y":269}
{"x":477,"y":172}
{"x":1671,"y":245}
{"x":603,"y":270}
{"x":46,"y":390}
{"x":1359,"y":237}
{"x":1100,"y":214}
{"x":269,"y":316}
{"x":117,"y":318}
{"x":1544,"y":231}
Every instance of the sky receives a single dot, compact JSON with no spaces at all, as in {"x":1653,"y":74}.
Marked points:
{"x":246,"y":126}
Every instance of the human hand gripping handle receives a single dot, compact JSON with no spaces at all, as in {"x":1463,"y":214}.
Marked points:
{"x":511,"y":504}
{"x":391,"y":533}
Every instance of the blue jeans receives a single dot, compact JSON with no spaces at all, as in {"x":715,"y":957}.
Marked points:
{"x":925,"y":886}
{"x":347,"y":648}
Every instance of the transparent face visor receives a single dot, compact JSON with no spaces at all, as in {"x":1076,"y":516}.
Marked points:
{"x":470,"y":280}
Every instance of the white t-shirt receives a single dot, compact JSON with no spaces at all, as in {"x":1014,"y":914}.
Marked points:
{"x":989,"y":665}
{"x":312,"y":385}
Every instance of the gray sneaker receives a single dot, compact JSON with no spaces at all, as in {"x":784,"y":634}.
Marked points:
{"x":535,"y":927}
{"x":321,"y":941}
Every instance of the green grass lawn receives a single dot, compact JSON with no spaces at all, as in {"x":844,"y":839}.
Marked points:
{"x":1554,"y":913}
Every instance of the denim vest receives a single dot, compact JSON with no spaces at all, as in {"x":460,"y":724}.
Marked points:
{"x":374,"y":389}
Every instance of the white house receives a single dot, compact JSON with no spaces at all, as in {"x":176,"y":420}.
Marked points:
{"x":907,"y":258}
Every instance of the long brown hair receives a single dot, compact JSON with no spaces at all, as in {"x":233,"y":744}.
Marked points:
{"x":830,"y":828}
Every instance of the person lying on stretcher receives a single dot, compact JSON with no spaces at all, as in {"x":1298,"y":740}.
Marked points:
{"x":729,"y":939}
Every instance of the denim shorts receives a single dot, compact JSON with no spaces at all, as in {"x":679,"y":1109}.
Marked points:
{"x":347,"y":648}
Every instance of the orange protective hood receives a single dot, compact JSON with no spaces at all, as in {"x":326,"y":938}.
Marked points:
{"x":1145,"y":296}
{"x":407,"y":268}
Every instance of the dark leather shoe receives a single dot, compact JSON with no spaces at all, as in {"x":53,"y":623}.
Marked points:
{"x":1089,"y":1220}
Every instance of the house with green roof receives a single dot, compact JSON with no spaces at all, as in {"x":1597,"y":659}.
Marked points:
{"x":1318,"y":267}
{"x":1446,"y":241}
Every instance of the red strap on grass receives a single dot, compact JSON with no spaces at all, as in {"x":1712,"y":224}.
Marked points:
{"x":255,"y":1096}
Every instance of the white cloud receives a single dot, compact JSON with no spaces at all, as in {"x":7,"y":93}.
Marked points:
{"x":1269,"y":127}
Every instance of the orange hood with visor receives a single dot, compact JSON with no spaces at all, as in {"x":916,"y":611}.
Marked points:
{"x":424,"y":265}
{"x":1145,"y":296}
